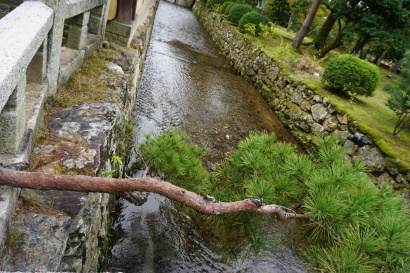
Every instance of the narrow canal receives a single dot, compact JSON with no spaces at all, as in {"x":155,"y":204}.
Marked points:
{"x":188,"y":84}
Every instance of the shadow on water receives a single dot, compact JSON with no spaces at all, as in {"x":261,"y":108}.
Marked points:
{"x":188,"y":84}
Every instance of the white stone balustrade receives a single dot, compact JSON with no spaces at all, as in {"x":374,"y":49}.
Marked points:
{"x":33,"y":58}
{"x":22,"y":34}
{"x":33,"y":64}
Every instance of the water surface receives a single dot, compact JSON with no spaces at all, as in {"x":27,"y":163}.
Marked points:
{"x":188,"y":84}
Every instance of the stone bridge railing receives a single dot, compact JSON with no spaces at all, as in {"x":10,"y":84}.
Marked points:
{"x":41,"y":44}
{"x":23,"y":45}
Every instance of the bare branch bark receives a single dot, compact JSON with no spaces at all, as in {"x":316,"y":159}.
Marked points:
{"x":200,"y":203}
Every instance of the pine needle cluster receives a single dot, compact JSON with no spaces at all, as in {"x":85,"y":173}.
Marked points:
{"x":173,"y":156}
{"x":357,"y":226}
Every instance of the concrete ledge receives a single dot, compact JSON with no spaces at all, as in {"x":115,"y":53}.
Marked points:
{"x":119,"y":28}
{"x":25,"y":28}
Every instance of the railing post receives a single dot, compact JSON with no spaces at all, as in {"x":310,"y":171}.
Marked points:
{"x":77,"y":34}
{"x":37,"y":69}
{"x":96,"y":24}
{"x":13,"y":119}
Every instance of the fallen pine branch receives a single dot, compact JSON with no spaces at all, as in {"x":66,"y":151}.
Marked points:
{"x":81,"y":183}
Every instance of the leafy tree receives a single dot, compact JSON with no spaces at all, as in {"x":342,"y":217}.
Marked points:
{"x":297,"y":41}
{"x":375,"y":19}
{"x":336,"y":13}
{"x":399,"y":101}
{"x":366,"y":21}
{"x":297,"y":7}
{"x":278,"y":11}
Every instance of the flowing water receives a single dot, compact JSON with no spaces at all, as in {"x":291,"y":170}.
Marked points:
{"x":188,"y":84}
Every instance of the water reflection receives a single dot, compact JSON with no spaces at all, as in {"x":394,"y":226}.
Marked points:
{"x":187,"y":83}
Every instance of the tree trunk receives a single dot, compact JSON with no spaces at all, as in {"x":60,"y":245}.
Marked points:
{"x":292,"y":19}
{"x":192,"y":4}
{"x":380,"y":59}
{"x":336,"y":43}
{"x":306,"y":24}
{"x":360,"y":43}
{"x":397,"y":66}
{"x":204,"y":204}
{"x":320,"y":40}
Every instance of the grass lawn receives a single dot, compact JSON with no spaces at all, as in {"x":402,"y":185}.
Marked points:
{"x":371,"y":113}
{"x":376,"y":119}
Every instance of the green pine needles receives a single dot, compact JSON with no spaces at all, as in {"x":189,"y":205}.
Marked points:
{"x":357,"y":226}
{"x":172,"y":156}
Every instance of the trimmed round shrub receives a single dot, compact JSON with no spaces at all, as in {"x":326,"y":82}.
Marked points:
{"x":349,"y":73}
{"x":252,"y":17}
{"x":237,"y":11}
{"x":228,"y":8}
{"x":225,"y":5}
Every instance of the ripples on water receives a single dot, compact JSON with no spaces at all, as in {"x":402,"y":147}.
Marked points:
{"x":187,"y":83}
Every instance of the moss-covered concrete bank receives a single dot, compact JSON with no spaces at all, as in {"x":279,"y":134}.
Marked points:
{"x":69,"y":231}
{"x":304,"y":113}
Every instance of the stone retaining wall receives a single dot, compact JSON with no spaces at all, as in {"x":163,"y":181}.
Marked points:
{"x":89,"y":135}
{"x":304,"y":113}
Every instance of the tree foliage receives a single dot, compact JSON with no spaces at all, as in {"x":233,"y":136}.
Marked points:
{"x":298,"y":9}
{"x":297,"y":41}
{"x":356,"y":227}
{"x":348,"y":73}
{"x":399,"y":101}
{"x":278,"y":11}
{"x":368,"y":21}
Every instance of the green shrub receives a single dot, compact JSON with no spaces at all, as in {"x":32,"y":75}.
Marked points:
{"x":267,"y":30}
{"x":252,"y":17}
{"x":351,"y":74}
{"x":211,"y":3}
{"x":250,"y":28}
{"x":228,"y":8}
{"x":237,"y":11}
{"x":225,"y":5}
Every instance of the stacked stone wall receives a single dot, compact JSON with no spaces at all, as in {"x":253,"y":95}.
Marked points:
{"x":304,"y":112}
